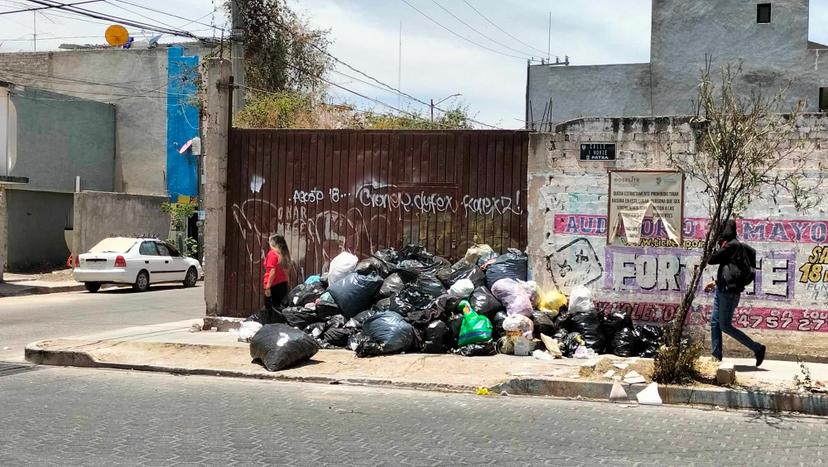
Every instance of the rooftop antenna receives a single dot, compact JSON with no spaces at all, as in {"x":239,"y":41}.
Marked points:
{"x":34,"y":35}
{"x":549,"y":39}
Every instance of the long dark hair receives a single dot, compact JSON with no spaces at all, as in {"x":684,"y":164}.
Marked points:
{"x":279,"y":242}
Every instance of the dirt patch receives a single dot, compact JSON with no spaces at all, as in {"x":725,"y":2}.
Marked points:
{"x":642,"y":366}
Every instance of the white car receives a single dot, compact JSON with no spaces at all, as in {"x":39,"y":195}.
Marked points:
{"x":135,"y":261}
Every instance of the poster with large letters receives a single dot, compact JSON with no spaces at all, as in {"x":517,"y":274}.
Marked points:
{"x":635,"y":195}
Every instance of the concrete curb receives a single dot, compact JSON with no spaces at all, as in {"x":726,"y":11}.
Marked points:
{"x":809,"y":404}
{"x":41,"y":290}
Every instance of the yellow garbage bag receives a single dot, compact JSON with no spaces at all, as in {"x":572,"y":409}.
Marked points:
{"x":552,"y":301}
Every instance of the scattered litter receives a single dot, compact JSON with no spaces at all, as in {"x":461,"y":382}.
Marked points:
{"x":649,"y":396}
{"x":247,"y":330}
{"x":504,"y":393}
{"x":621,"y":366}
{"x":551,"y":346}
{"x":634,"y":378}
{"x":618,"y":393}
{"x":481,"y":391}
{"x":609,"y":374}
{"x":543,"y":355}
{"x":584,"y":352}
{"x":194,"y":328}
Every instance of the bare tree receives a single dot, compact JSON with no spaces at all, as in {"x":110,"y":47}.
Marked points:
{"x":746,"y":148}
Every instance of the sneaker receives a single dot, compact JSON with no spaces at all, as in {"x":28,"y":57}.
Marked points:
{"x":760,"y":355}
{"x":716,"y":359}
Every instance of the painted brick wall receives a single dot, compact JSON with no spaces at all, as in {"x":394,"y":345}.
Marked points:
{"x":786,"y":309}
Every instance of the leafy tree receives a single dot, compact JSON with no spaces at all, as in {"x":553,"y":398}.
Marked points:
{"x":282,"y":51}
{"x":747,"y":148}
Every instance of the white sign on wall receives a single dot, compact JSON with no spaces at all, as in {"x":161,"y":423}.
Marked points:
{"x":636,"y":195}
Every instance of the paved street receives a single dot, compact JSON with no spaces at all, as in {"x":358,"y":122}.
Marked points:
{"x":31,"y":318}
{"x":79,"y":416}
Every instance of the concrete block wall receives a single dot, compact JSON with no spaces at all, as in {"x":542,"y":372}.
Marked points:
{"x":568,"y":244}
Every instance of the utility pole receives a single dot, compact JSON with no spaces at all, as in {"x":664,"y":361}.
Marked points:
{"x":399,"y":71}
{"x":432,"y":110}
{"x":34,"y":35}
{"x":237,"y":54}
{"x":549,"y":40}
{"x":435,"y":104}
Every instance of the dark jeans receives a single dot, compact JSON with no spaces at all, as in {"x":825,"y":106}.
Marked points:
{"x":724,"y":304}
{"x":277,"y":293}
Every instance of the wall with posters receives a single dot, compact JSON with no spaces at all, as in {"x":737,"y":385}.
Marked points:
{"x":787,"y":306}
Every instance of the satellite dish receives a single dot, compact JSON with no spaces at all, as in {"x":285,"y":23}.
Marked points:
{"x":116,"y":35}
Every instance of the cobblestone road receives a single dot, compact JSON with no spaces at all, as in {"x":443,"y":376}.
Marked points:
{"x":63,"y":416}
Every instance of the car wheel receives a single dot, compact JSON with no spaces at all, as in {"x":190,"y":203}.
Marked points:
{"x":92,"y":287}
{"x":141,"y":282}
{"x":191,"y":278}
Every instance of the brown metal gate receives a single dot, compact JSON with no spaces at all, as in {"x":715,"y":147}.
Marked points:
{"x":361,"y":190}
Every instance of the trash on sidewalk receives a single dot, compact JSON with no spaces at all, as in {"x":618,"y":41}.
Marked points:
{"x":618,"y":394}
{"x":634,"y":378}
{"x":279,"y":346}
{"x":247,"y":330}
{"x":649,"y":396}
{"x":543,"y":355}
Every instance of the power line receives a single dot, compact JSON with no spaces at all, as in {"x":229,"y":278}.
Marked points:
{"x":459,"y":35}
{"x":36,"y":8}
{"x":501,"y":29}
{"x":475,"y":29}
{"x":139,"y":14}
{"x":171,"y":15}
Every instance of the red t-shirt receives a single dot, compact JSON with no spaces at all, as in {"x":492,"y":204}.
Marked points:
{"x":271,"y":265}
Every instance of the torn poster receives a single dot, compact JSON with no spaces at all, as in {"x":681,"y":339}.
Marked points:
{"x":634,"y":195}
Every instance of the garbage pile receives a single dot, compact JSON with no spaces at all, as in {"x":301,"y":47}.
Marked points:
{"x":413,"y":301}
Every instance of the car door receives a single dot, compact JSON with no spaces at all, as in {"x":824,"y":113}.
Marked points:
{"x":173,"y":268}
{"x":148,"y":259}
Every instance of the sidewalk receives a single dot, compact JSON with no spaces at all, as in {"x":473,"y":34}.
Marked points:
{"x":30,"y":284}
{"x":174,"y":348}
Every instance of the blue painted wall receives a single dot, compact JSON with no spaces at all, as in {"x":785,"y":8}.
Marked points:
{"x":182,"y":123}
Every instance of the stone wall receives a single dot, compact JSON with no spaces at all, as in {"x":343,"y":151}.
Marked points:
{"x":568,"y":243}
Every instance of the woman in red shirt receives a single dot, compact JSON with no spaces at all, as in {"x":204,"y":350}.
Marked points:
{"x":275,"y":277}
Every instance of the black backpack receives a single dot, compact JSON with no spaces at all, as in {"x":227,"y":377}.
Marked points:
{"x":744,"y":265}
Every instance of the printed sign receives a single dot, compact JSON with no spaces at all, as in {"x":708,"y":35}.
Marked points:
{"x":598,"y":152}
{"x":635,"y":195}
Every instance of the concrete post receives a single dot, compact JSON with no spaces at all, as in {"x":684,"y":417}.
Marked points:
{"x":3,"y":232}
{"x":215,"y":183}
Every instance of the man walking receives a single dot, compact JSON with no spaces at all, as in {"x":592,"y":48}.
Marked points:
{"x":737,"y":263}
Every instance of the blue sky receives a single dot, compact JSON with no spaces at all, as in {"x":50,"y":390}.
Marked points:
{"x":435,"y":63}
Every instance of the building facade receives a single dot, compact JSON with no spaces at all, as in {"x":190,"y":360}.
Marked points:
{"x":769,"y":40}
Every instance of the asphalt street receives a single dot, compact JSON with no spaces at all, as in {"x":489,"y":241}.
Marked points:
{"x":35,"y":317}
{"x":66,"y":416}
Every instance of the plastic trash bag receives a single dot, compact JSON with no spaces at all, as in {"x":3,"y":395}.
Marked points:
{"x":512,"y":265}
{"x":588,"y":324}
{"x":650,"y":336}
{"x":388,"y":256}
{"x":625,"y":342}
{"x":475,"y":328}
{"x":279,"y":346}
{"x":247,"y":330}
{"x":392,"y":285}
{"x":514,"y":296}
{"x":479,"y":252}
{"x":497,"y":324}
{"x":552,"y":301}
{"x":615,"y":321}
{"x":315,"y":279}
{"x":462,"y":289}
{"x":303,"y":294}
{"x":357,"y":339}
{"x":437,"y":338}
{"x":430,"y":285}
{"x":544,"y":323}
{"x":299,"y":317}
{"x":326,"y":306}
{"x":411,"y":299}
{"x":580,"y":299}
{"x":355,"y":292}
{"x":484,"y":302}
{"x":314,"y":329}
{"x":519,"y":324}
{"x":570,"y":342}
{"x":267,"y":316}
{"x":462,"y":270}
{"x":483,"y":349}
{"x":341,"y":266}
{"x":388,"y":333}
{"x":372,"y":265}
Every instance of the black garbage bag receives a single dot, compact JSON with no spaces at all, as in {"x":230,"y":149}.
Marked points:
{"x":429,"y":285}
{"x":357,"y":339}
{"x":416,"y":252}
{"x":651,"y":337}
{"x":615,"y":321}
{"x":360,"y":317}
{"x":326,"y":307}
{"x":447,"y":304}
{"x":392,"y":285}
{"x":355,"y":292}
{"x":437,"y":338}
{"x":483,"y":349}
{"x":279,"y":346}
{"x":560,"y":334}
{"x":410,"y":299}
{"x":337,"y":337}
{"x":544,"y":323}
{"x":484,"y":303}
{"x":588,"y":324}
{"x":267,"y":316}
{"x":299,"y":317}
{"x":625,"y":342}
{"x":315,"y":329}
{"x":423,"y":316}
{"x":387,"y":255}
{"x":388,"y":333}
{"x":512,"y":265}
{"x":303,"y":294}
{"x":455,"y":323}
{"x":497,"y":325}
{"x":461,"y":270}
{"x":564,"y":319}
{"x":570,"y":343}
{"x":373,"y":265}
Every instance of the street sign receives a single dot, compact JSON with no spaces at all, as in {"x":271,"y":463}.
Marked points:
{"x":597,"y":152}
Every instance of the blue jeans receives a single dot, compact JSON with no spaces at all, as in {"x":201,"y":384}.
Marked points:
{"x":724,"y":304}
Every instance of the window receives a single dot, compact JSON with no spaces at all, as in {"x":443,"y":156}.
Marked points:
{"x":148,"y":249}
{"x":763,"y":13}
{"x":823,"y":99}
{"x":173,"y":250}
{"x":162,"y":249}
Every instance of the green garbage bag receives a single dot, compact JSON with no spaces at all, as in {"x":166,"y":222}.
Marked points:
{"x":475,"y":328}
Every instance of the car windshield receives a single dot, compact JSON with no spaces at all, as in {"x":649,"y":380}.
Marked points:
{"x":113,"y":245}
